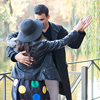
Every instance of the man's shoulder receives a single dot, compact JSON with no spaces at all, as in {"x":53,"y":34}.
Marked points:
{"x":56,"y":25}
{"x":58,"y":29}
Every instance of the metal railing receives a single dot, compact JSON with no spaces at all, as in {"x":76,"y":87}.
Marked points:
{"x":90,"y":65}
{"x":4,"y":76}
{"x":81,"y":76}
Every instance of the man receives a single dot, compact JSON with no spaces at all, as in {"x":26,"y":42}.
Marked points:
{"x":52,"y":32}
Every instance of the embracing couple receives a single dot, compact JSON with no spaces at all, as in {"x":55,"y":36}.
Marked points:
{"x":38,"y":48}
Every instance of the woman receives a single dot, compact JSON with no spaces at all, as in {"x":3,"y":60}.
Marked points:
{"x":29,"y":80}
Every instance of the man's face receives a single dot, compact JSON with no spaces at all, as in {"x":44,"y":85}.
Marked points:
{"x":43,"y":18}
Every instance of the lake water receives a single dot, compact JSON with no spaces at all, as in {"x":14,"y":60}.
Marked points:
{"x":6,"y":66}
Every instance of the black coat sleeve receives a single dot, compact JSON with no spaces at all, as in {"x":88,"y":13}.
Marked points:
{"x":11,"y":53}
{"x":58,"y":44}
{"x":9,"y":50}
{"x":78,"y":41}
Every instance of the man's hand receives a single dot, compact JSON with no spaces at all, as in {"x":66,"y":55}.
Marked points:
{"x":87,"y":22}
{"x":23,"y":59}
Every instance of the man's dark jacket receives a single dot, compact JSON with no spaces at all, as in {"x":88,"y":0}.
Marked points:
{"x":57,"y":32}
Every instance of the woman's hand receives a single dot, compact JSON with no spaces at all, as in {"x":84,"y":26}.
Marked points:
{"x":80,"y":25}
{"x":87,"y":22}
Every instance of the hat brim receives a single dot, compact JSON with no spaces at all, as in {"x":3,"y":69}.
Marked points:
{"x":35,"y":35}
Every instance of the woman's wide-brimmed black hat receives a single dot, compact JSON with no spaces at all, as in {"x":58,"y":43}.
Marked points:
{"x":30,"y":30}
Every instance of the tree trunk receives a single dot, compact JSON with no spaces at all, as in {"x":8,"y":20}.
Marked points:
{"x":6,"y":25}
{"x":6,"y":28}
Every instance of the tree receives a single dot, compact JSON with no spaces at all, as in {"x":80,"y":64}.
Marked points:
{"x":9,"y":11}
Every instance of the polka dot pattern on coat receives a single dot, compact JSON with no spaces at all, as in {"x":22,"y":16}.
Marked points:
{"x":44,"y":89}
{"x":36,"y":97}
{"x":15,"y":82}
{"x":22,"y":89}
{"x":14,"y":95}
{"x":35,"y":84}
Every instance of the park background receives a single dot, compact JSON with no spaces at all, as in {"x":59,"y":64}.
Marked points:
{"x":66,"y":13}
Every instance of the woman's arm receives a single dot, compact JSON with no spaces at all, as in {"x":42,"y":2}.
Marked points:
{"x":58,"y":44}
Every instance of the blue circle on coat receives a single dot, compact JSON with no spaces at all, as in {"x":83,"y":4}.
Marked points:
{"x":36,"y":97}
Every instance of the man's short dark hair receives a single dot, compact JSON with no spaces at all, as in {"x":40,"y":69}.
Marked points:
{"x":40,"y":9}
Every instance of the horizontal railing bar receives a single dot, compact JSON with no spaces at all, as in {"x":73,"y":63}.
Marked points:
{"x":82,"y":61}
{"x":67,"y":63}
{"x":5,"y":73}
{"x":73,"y":72}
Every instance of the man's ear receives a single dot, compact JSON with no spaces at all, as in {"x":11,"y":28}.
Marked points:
{"x":48,"y":16}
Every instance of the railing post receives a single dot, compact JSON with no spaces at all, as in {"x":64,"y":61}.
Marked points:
{"x":4,"y":87}
{"x":84,"y":82}
{"x":92,"y":81}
